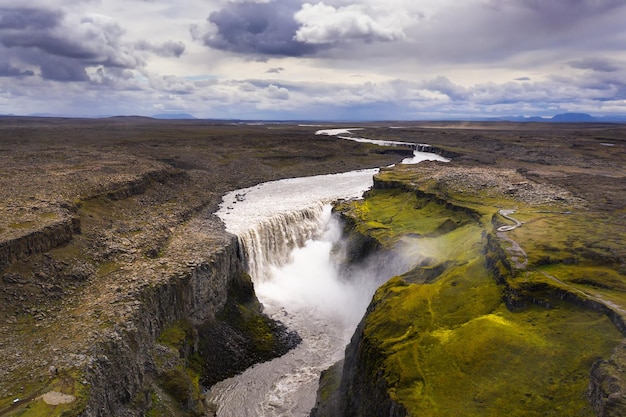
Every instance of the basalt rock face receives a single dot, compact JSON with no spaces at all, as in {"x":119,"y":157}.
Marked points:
{"x":123,"y":367}
{"x":240,"y":335}
{"x":38,"y":241}
{"x":363,"y":390}
{"x":225,"y":319}
{"x":607,"y":391}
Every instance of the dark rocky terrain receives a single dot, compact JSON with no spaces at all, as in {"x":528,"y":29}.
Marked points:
{"x":107,"y":242}
{"x":111,"y":258}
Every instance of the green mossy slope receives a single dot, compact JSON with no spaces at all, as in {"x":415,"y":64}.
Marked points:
{"x":478,"y":327}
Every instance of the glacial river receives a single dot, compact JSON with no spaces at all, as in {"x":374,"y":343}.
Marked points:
{"x":288,"y":235}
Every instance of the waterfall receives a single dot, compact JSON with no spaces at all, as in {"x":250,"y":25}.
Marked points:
{"x":273,"y":218}
{"x":270,"y":242}
{"x":299,"y":283}
{"x":287,"y":235}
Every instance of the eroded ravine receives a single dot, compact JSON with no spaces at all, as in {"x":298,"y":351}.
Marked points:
{"x":288,"y":237}
{"x":288,"y":245}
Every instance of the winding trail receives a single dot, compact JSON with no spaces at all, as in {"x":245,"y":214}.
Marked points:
{"x":507,"y":215}
{"x":518,"y":255}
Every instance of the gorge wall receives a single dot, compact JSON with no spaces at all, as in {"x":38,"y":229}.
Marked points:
{"x":127,"y":357}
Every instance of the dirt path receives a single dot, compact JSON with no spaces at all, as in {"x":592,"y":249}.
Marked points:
{"x":586,"y":294}
{"x":507,"y":215}
{"x":518,"y":255}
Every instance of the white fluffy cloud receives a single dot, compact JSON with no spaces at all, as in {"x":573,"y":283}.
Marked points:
{"x":324,"y":24}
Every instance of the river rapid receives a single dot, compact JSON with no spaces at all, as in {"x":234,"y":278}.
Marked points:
{"x":290,"y":240}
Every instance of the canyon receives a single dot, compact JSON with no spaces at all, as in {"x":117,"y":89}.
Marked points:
{"x":122,"y":289}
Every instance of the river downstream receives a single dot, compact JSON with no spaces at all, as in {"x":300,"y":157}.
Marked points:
{"x":288,"y":235}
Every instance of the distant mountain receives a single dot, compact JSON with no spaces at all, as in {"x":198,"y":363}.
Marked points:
{"x":130,"y":117}
{"x":173,"y":116}
{"x":564,"y":118}
{"x":573,"y":118}
{"x":612,"y":119}
{"x":58,"y":115}
{"x":523,"y":119}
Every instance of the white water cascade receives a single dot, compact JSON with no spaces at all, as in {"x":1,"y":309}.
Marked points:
{"x":271,"y":241}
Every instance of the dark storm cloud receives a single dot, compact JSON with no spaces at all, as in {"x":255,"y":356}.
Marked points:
{"x":567,"y":9}
{"x":595,"y":64}
{"x":50,"y":44}
{"x":63,"y":46}
{"x":257,"y":28}
{"x":169,"y":49}
{"x":35,"y":28}
{"x":60,"y":69}
{"x":496,"y":30}
{"x":553,"y":15}
{"x":7,"y":70}
{"x":28,"y":19}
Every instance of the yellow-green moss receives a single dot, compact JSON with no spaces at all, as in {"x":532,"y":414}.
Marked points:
{"x":456,"y":350}
{"x":22,"y":225}
{"x":68,"y":382}
{"x":451,"y":347}
{"x":176,"y":334}
{"x":178,"y":383}
{"x":389,"y":214}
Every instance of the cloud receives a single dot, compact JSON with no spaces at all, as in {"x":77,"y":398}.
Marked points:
{"x":323,"y":24}
{"x":26,"y":18}
{"x":565,"y":10}
{"x":277,"y":93}
{"x":370,"y":58}
{"x":290,"y":28}
{"x":501,"y":31}
{"x":247,"y":27}
{"x":63,"y":45}
{"x":169,"y":49}
{"x":443,"y":85}
{"x":7,"y":70}
{"x":595,"y":64}
{"x":60,"y":69}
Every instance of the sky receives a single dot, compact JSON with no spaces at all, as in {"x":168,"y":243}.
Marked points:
{"x":312,"y":60}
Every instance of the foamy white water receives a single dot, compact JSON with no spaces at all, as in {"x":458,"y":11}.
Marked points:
{"x":244,"y":208}
{"x":419,"y":154}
